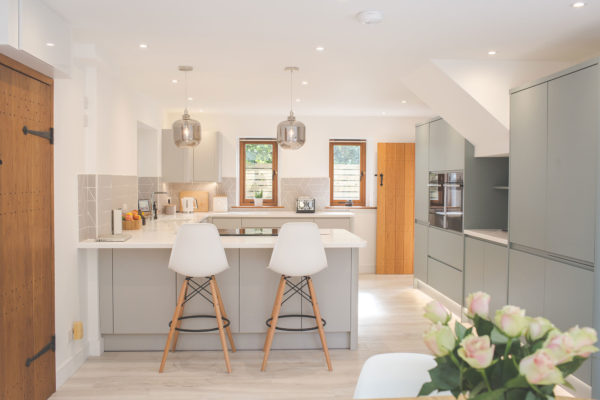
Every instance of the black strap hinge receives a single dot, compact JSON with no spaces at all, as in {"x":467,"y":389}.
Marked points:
{"x":49,"y":346}
{"x":46,"y":135}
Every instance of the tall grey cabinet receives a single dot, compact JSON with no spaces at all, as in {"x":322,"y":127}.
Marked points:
{"x":554,"y":127}
{"x":199,"y":164}
{"x":421,"y":200}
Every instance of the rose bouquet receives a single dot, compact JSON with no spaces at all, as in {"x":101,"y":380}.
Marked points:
{"x":511,"y":357}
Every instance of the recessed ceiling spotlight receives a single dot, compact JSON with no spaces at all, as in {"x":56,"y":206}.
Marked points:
{"x":492,"y":52}
{"x":320,"y":48}
{"x":305,"y":83}
{"x":298,"y":100}
{"x":143,"y":46}
{"x":174,"y":81}
{"x":369,"y":17}
{"x":190,"y":98}
{"x":383,"y":113}
{"x":50,"y":44}
{"x":403,"y":102}
{"x":578,"y":4}
{"x":200,"y":110}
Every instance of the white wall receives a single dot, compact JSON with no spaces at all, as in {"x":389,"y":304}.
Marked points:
{"x":148,"y":152}
{"x":312,"y":160}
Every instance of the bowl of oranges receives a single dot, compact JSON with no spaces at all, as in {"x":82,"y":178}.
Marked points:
{"x":132,"y":221}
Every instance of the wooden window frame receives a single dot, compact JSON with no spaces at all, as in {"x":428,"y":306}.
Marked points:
{"x":250,"y":202}
{"x":363,"y":170}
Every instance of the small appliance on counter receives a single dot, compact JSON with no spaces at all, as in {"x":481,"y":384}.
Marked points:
{"x":220,"y":204}
{"x":305,"y":204}
{"x":188,"y":204}
{"x":169,"y":209}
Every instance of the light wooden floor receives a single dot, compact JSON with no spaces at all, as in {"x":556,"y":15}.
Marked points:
{"x":390,"y":320}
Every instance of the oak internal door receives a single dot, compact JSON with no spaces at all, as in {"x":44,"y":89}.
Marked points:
{"x":395,"y":207}
{"x":26,"y":234}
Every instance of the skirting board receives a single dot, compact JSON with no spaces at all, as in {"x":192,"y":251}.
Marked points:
{"x":582,"y":390}
{"x":71,"y":365}
{"x":243,"y":341}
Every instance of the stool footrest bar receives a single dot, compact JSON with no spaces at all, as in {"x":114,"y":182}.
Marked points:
{"x":225,"y":325}
{"x":312,"y":328}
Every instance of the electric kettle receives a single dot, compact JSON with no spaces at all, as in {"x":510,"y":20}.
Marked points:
{"x":188,"y":204}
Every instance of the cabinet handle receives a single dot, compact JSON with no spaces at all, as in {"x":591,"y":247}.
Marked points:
{"x":380,"y":179}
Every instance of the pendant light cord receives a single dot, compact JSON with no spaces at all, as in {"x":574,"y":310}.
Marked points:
{"x":291,"y":92}
{"x":186,"y":90}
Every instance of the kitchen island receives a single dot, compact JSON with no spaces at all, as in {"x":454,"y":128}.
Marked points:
{"x":137,"y":292}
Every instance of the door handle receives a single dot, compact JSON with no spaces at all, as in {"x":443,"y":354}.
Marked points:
{"x":46,"y":348}
{"x":380,"y":179}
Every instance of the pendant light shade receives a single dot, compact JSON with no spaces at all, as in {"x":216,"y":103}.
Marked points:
{"x":187,"y":132}
{"x":291,"y":134}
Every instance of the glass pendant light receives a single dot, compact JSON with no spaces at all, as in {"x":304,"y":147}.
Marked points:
{"x":291,"y":134}
{"x":186,"y":131}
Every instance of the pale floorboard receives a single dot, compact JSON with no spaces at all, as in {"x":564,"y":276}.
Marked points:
{"x":390,"y":320}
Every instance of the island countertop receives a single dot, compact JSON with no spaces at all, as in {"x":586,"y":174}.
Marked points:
{"x":160,"y":234}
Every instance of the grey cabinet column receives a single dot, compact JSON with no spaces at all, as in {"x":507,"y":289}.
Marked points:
{"x":421,"y":172}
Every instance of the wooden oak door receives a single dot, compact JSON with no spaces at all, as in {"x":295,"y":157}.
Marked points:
{"x":395,"y":207}
{"x":26,"y":234}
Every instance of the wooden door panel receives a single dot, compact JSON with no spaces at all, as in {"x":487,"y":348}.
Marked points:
{"x":26,"y":228}
{"x":395,"y":208}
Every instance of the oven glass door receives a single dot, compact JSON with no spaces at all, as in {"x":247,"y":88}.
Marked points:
{"x":453,"y":193}
{"x":436,"y":199}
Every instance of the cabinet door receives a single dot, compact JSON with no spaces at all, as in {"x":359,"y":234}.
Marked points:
{"x":270,"y":222}
{"x":496,"y":274}
{"x":421,"y":172}
{"x":445,"y":279}
{"x":474,"y":265}
{"x":207,"y":158}
{"x":177,"y":164}
{"x":572,"y":131}
{"x":143,"y":291}
{"x":420,"y":252}
{"x":528,"y":139}
{"x":526,"y":282}
{"x":446,"y":147}
{"x":447,"y":247}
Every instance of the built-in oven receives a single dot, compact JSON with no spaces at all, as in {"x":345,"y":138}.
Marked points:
{"x":446,"y":200}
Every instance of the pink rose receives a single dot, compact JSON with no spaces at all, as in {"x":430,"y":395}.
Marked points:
{"x":538,"y":327}
{"x":477,"y":351}
{"x":439,"y":339}
{"x":560,"y":346}
{"x":436,"y":312}
{"x":478,"y":303}
{"x":583,"y":341}
{"x":540,"y":369}
{"x":511,"y":321}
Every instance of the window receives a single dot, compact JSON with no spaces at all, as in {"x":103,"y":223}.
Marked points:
{"x":347,"y":160}
{"x":258,"y":171}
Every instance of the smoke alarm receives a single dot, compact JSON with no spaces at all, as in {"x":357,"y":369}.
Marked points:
{"x":369,"y":17}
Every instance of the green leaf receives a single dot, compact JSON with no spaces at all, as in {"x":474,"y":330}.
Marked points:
{"x":427,"y":388}
{"x":498,"y":337}
{"x":445,"y":376}
{"x":569,"y":367}
{"x":516,"y":394}
{"x":517,"y":382}
{"x":460,"y":331}
{"x":483,"y":326}
{"x":497,"y":394}
{"x":531,"y":395}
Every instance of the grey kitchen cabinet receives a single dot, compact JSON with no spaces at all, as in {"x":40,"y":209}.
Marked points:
{"x":445,"y":279}
{"x":486,"y":269}
{"x":420,"y":254}
{"x":177,"y":164}
{"x":446,"y":246}
{"x":422,"y":172}
{"x":207,"y":158}
{"x":270,"y":222}
{"x":446,"y":147}
{"x":144,"y":289}
{"x":526,"y":282}
{"x":199,"y":164}
{"x":105,"y":287}
{"x":572,"y":137}
{"x":528,"y":161}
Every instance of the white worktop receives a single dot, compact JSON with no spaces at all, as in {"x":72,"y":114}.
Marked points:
{"x":161,"y":233}
{"x":281,"y":214}
{"x":493,"y":235}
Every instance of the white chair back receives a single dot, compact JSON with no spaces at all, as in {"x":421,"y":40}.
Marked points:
{"x":394,"y":375}
{"x":299,"y":250}
{"x":198,"y":251}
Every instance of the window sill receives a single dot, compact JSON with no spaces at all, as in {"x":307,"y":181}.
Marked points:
{"x":257,"y":207}
{"x":351,"y":207}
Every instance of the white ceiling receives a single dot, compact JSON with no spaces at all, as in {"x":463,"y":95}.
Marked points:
{"x":240,"y":47}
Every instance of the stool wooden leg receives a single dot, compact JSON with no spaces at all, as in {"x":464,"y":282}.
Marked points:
{"x":274,"y":316}
{"x":213,"y":290}
{"x":222,"y":306}
{"x":176,"y":334}
{"x":315,"y":305}
{"x":180,"y":301}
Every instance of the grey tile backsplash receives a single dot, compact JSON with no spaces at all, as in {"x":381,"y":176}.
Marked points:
{"x":99,"y":194}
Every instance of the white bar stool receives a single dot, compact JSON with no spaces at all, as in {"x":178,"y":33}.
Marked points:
{"x":298,"y":252}
{"x":198,"y":253}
